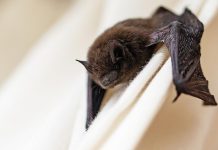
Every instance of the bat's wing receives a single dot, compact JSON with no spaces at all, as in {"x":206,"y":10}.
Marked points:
{"x":95,"y":97}
{"x":182,"y":38}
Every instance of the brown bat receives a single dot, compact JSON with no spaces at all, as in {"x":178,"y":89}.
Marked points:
{"x":119,"y":53}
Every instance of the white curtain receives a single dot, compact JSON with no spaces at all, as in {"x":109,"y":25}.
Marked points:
{"x":43,"y":102}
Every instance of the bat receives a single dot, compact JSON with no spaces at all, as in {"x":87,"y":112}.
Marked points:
{"x":120,"y":52}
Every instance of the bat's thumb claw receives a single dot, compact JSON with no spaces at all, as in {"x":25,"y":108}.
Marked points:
{"x":177,"y":96}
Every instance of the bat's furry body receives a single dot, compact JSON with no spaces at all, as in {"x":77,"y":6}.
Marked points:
{"x":119,"y":53}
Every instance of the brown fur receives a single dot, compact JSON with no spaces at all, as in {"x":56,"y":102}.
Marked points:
{"x":133,"y":40}
{"x":131,"y":35}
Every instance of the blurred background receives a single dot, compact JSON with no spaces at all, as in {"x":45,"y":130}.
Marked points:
{"x":22,"y":23}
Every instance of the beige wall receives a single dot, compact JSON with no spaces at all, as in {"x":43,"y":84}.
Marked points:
{"x":22,"y":22}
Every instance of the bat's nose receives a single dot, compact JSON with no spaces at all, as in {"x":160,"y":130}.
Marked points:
{"x":109,"y":78}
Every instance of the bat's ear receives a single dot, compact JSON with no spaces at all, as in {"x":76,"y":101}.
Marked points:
{"x":86,"y":65}
{"x":117,"y":52}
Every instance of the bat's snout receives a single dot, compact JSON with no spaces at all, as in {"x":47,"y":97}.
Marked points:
{"x":109,"y":79}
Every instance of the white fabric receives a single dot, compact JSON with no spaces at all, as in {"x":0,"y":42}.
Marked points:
{"x":42,"y":105}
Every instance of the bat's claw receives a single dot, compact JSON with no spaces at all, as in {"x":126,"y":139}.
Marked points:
{"x":177,"y":96}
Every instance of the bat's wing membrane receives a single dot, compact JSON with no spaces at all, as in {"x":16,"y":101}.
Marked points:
{"x":95,"y":97}
{"x":182,"y":38}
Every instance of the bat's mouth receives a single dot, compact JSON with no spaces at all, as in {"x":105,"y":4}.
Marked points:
{"x":109,"y":84}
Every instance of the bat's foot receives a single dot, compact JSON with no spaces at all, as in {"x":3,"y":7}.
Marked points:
{"x":210,"y":102}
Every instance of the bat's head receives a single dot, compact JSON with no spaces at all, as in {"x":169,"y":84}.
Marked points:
{"x":117,"y":56}
{"x":109,"y":63}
